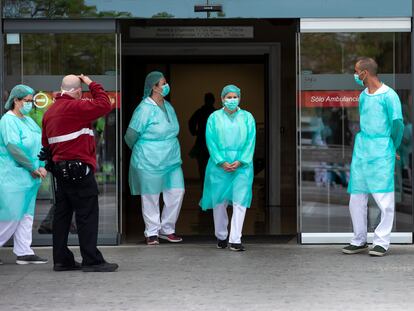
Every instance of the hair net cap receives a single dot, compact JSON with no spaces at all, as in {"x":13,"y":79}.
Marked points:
{"x":152,"y":79}
{"x":19,"y":91}
{"x":230,"y":89}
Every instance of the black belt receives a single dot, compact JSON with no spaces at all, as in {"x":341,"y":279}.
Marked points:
{"x":73,"y":170}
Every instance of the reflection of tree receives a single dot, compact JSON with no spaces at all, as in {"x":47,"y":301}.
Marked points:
{"x":337,"y":52}
{"x":319,"y":53}
{"x":55,"y":8}
{"x":60,"y":54}
{"x":163,"y":15}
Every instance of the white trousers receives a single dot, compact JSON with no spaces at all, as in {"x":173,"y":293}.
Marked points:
{"x":221,"y":222}
{"x":359,"y":214}
{"x":154,"y":224}
{"x":21,"y":232}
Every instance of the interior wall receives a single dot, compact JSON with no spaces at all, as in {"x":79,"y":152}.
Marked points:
{"x":189,"y":83}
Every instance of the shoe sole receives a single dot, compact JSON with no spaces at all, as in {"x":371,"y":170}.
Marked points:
{"x":236,"y":249}
{"x":169,"y":240}
{"x":97,"y":270}
{"x":89,"y":271}
{"x":219,"y":247}
{"x":348,"y":252}
{"x":376,"y":254}
{"x":62,"y":269}
{"x":21,"y":262}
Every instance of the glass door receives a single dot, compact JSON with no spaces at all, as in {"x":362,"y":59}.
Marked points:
{"x":329,"y":120}
{"x":40,"y":60}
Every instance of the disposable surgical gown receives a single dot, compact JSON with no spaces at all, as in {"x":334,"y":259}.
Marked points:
{"x":229,"y":138}
{"x":406,"y":146}
{"x":20,"y":143}
{"x":381,"y":131}
{"x":156,"y":157}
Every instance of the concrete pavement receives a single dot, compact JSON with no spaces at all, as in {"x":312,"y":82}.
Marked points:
{"x":201,"y":277}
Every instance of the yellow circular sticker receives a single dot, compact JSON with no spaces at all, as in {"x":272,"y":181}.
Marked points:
{"x":41,"y":100}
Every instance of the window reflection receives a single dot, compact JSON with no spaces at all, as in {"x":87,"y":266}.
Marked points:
{"x":41,"y":60}
{"x":329,"y":121}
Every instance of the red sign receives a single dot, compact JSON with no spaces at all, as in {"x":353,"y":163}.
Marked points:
{"x":330,"y":98}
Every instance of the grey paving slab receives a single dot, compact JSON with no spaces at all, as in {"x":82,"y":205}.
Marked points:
{"x":201,"y":277}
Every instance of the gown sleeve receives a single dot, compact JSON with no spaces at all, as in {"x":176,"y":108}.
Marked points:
{"x":212,"y":140}
{"x":397,"y":132}
{"x":138,"y":124}
{"x":131,"y":137}
{"x":246,"y":156}
{"x":10,"y":133}
{"x":396,"y":119}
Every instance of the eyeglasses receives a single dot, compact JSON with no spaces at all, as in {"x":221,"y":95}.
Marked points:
{"x":27,"y":100}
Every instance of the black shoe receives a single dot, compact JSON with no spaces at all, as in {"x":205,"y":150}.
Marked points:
{"x":222,"y":243}
{"x":237,"y":247}
{"x":377,"y":251}
{"x":30,"y":259}
{"x":352,"y":249}
{"x":152,"y":240}
{"x":58,"y":267}
{"x":103,"y":267}
{"x":1,"y":262}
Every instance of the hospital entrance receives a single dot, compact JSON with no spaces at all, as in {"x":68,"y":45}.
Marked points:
{"x":194,"y":69}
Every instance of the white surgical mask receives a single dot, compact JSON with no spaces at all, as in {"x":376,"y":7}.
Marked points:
{"x":26,"y":108}
{"x":62,"y":91}
{"x":231,"y":103}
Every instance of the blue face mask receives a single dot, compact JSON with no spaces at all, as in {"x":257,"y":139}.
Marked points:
{"x":231,"y":103}
{"x":26,"y":108}
{"x":358,"y":80}
{"x":165,"y":90}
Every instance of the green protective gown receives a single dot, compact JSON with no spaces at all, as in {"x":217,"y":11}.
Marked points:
{"x":20,"y":143}
{"x":406,"y":146}
{"x":156,"y":157}
{"x":229,"y":138}
{"x":381,"y":131}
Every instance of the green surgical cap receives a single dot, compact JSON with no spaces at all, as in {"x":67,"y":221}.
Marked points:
{"x":19,"y":91}
{"x":230,"y":89}
{"x":152,"y":79}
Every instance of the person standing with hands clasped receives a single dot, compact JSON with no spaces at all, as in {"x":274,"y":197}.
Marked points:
{"x":20,"y":173}
{"x":231,"y":139}
{"x":68,"y":133}
{"x":373,"y":158}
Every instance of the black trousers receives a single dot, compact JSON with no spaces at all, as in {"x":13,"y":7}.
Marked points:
{"x":80,"y":197}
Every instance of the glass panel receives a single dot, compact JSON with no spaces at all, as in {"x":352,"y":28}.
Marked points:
{"x":329,"y":121}
{"x":40,"y":61}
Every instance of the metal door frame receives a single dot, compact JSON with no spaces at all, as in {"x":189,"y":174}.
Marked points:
{"x":332,"y":25}
{"x":273,"y":137}
{"x":69,"y":26}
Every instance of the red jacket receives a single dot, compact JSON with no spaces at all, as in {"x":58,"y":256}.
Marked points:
{"x":67,"y":125}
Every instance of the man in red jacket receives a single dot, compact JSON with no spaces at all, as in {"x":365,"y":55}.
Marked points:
{"x":67,"y":132}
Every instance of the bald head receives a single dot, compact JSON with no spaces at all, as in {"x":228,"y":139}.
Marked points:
{"x":71,"y":82}
{"x":368,"y":64}
{"x":71,"y":85}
